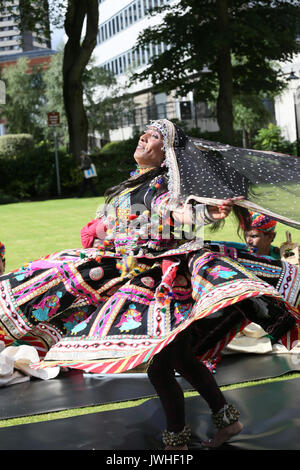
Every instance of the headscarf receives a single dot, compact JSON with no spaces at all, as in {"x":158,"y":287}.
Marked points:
{"x":208,"y":172}
{"x":261,"y":222}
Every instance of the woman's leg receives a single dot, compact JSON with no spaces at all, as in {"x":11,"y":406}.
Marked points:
{"x":162,"y":376}
{"x":179,"y":356}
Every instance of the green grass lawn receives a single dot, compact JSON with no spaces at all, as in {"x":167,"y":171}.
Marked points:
{"x":34,"y":229}
{"x":31,"y":230}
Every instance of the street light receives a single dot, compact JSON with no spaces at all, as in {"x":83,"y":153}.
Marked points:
{"x":292,"y":76}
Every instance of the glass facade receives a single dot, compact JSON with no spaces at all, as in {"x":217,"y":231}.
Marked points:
{"x":135,"y":11}
{"x":133,"y":58}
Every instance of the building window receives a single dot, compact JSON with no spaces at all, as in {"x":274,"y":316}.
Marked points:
{"x":130,"y":15}
{"x":126,"y":18}
{"x":146,"y":6}
{"x":134,"y":58}
{"x":134,"y":12}
{"x":123,"y":19}
{"x":139,"y":9}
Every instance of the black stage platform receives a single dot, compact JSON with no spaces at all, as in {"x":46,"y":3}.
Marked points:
{"x":270,"y":412}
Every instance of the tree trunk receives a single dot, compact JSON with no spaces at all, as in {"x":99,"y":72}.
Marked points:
{"x":224,"y":70}
{"x":77,"y":53}
{"x":245,"y":141}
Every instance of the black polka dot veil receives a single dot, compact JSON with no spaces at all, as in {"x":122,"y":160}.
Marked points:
{"x":208,"y":172}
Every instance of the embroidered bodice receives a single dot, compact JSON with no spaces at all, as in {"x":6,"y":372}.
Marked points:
{"x":139,"y":223}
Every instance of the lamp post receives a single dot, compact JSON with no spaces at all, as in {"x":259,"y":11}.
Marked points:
{"x":293,"y":77}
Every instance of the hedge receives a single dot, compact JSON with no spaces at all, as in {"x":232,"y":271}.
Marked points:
{"x":13,"y":144}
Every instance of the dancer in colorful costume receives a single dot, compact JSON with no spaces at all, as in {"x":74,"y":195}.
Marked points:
{"x":154,"y":296}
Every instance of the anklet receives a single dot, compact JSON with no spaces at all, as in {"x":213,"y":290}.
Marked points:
{"x":226,"y":416}
{"x":177,"y":438}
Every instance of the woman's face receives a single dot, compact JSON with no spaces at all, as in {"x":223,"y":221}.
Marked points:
{"x":149,"y":152}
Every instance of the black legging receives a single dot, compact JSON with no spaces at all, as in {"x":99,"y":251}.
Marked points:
{"x":179,"y":356}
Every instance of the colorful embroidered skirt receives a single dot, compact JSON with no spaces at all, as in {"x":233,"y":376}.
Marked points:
{"x":92,"y":319}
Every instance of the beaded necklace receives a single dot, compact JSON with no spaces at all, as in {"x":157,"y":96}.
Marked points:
{"x":139,"y":171}
{"x":120,"y":235}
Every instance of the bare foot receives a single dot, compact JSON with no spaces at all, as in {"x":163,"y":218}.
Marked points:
{"x":185,"y":447}
{"x":224,"y":434}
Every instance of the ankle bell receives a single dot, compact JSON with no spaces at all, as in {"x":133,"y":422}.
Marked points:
{"x":226,"y":416}
{"x":175,"y":439}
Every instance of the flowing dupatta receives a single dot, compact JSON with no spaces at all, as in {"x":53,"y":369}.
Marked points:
{"x":208,"y":172}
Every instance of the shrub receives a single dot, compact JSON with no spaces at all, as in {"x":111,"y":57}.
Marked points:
{"x":114,"y":163}
{"x":270,"y":138}
{"x":14,"y":144}
{"x":31,"y":174}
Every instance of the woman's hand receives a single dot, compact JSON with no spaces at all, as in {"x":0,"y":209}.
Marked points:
{"x":222,"y":211}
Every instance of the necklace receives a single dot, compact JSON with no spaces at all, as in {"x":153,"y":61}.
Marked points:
{"x":139,"y":171}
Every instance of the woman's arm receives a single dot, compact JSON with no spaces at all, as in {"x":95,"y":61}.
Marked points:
{"x":208,"y":214}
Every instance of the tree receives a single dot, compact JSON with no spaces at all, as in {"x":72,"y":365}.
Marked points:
{"x":24,"y":97}
{"x":101,"y":96}
{"x":107,"y":103}
{"x":54,"y":101}
{"x":30,"y":96}
{"x":80,"y":19}
{"x":100,"y":86}
{"x":250,"y":113}
{"x":77,"y":53}
{"x":226,"y":45}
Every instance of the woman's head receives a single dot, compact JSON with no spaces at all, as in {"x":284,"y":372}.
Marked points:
{"x":149,"y":152}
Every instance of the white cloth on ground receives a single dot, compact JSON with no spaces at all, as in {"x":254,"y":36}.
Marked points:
{"x":254,"y":339}
{"x":15,"y":365}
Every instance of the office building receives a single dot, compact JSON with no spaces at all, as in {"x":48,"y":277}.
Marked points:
{"x":12,"y":40}
{"x":121,"y":21}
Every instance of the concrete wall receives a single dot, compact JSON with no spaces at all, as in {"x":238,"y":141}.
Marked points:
{"x":287,"y":106}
